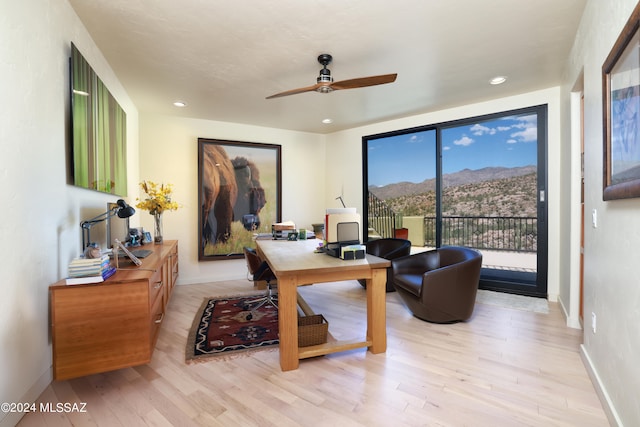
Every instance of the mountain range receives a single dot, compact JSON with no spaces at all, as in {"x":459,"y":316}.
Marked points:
{"x":491,"y":192}
{"x":463,"y":177}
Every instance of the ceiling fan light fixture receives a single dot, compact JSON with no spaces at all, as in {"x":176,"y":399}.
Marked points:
{"x":325,"y":83}
{"x":498,"y":80}
{"x":327,"y":121}
{"x":324,"y":76}
{"x":180,"y":104}
{"x":324,"y":89}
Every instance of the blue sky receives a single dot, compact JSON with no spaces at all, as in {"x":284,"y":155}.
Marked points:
{"x":510,"y":141}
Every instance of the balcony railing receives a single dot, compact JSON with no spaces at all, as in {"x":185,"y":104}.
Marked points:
{"x":519,"y":234}
{"x":381,"y":218}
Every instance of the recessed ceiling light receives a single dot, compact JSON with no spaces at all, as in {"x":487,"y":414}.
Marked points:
{"x":327,"y":121}
{"x":180,"y":104}
{"x":498,"y":80}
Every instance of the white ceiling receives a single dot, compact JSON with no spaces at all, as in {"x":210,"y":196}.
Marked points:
{"x":224,"y":57}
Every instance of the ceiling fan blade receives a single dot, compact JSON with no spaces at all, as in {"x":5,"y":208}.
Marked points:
{"x":364,"y":82}
{"x":295,"y":91}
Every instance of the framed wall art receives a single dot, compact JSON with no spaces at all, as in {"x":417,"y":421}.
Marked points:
{"x":239,"y":191}
{"x":621,"y":99}
{"x":99,"y":132}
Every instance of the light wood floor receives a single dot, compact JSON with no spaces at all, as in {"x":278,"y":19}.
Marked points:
{"x":504,"y":367}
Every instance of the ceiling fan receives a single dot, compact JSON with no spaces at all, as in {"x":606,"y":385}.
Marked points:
{"x":325,"y":83}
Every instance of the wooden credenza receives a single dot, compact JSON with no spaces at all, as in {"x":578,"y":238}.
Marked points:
{"x":113,"y":324}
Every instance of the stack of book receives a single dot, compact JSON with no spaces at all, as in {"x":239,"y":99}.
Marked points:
{"x":281,"y":230}
{"x":89,"y":270}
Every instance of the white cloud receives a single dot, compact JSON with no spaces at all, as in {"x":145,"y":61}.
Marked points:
{"x":511,"y":141}
{"x":445,"y":148}
{"x":465,"y":141}
{"x":529,"y":126}
{"x":480,"y":130}
{"x":529,"y":134}
{"x":530,"y":119}
{"x":504,"y":128}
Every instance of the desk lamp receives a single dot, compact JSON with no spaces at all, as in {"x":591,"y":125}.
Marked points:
{"x":122,"y":210}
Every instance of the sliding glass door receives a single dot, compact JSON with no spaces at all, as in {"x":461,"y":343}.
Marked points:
{"x":478,"y":182}
{"x":401,"y":186}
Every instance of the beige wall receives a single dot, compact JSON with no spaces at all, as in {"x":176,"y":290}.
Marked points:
{"x":611,"y":277}
{"x":40,"y":217}
{"x":169,"y":153}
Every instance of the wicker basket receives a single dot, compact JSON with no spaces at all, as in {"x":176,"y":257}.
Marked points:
{"x":312,"y":330}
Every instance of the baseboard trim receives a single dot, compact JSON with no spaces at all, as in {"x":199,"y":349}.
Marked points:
{"x":31,"y":396}
{"x":571,"y":322}
{"x":607,"y":404}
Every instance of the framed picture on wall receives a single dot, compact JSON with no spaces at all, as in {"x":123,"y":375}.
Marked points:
{"x":98,"y":145}
{"x":239,"y":191}
{"x":621,"y":98}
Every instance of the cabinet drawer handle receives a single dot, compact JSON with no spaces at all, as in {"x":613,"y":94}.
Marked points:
{"x":158,"y":285}
{"x":159,"y":320}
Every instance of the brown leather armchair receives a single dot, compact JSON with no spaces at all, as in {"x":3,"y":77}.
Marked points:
{"x":388,"y":249}
{"x":440,"y":285}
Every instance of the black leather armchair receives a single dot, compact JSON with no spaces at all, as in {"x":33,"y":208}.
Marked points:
{"x":439,"y":286}
{"x":388,"y":249}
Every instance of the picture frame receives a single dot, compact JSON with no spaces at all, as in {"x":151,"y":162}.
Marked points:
{"x":97,"y":152}
{"x":239,"y":195}
{"x":621,"y":110}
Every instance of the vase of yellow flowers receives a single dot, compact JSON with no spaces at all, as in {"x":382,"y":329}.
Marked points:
{"x":157,"y":228}
{"x":157,"y":200}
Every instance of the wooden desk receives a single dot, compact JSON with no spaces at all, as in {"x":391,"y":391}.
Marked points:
{"x":294,"y":263}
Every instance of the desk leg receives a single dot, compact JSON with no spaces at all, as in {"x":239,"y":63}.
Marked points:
{"x":377,"y":311}
{"x":288,"y":323}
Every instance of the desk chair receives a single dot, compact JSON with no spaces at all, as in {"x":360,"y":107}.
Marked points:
{"x":259,"y":271}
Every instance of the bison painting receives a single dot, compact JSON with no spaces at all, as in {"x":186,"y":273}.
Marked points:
{"x":219,"y":194}
{"x":230,"y":191}
{"x":251,"y":197}
{"x":239,"y":195}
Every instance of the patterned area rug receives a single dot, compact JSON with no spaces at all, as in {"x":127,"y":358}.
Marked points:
{"x":220,"y":327}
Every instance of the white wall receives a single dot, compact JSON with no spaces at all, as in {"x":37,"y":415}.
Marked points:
{"x":345,"y":158}
{"x":169,"y":153}
{"x":39,"y":221}
{"x":611,"y":276}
